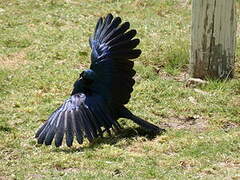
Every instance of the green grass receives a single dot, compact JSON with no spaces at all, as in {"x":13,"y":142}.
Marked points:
{"x":44,"y":47}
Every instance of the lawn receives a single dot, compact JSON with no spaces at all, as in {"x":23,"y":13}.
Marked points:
{"x":44,"y":47}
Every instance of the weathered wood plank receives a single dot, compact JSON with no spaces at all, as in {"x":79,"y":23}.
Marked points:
{"x":213,"y":39}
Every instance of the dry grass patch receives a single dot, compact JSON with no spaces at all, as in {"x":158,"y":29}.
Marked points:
{"x":13,"y":61}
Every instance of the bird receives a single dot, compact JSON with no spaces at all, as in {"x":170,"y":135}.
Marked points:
{"x":101,"y":92}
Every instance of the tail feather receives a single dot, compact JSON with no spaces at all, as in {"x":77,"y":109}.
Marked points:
{"x":125,"y":113}
{"x":145,"y":124}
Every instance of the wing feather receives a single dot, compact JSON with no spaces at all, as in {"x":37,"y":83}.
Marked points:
{"x":80,"y":116}
{"x":86,"y":126}
{"x":60,"y":130}
{"x":78,"y":127}
{"x":112,"y":48}
{"x":51,"y":131}
{"x":117,"y":31}
{"x":69,"y":128}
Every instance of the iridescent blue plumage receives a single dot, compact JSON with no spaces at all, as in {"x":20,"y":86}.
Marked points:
{"x":99,"y":95}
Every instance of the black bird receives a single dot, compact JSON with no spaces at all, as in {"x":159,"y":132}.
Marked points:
{"x":99,"y":95}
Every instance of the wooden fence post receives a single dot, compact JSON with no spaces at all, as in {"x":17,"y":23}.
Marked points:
{"x":213,"y":39}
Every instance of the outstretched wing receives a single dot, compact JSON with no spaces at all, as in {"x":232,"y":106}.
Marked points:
{"x":81,"y":116}
{"x":112,"y":48}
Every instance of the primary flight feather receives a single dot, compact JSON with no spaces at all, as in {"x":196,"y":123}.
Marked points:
{"x":99,"y":95}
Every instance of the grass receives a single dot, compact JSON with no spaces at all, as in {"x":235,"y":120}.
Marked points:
{"x":44,"y":47}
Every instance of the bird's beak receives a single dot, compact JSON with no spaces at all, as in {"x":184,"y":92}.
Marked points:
{"x":81,"y":74}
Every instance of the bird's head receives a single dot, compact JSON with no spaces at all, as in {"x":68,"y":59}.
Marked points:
{"x":88,"y":75}
{"x":84,"y":82}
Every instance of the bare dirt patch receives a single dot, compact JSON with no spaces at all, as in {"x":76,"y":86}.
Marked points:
{"x":13,"y":61}
{"x":196,"y":123}
{"x":228,"y":126}
{"x":181,"y":77}
{"x":4,"y":178}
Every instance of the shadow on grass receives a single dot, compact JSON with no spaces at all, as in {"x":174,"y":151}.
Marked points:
{"x":5,"y":128}
{"x":126,"y":133}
